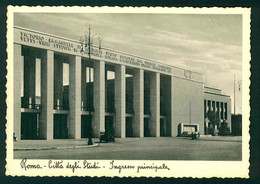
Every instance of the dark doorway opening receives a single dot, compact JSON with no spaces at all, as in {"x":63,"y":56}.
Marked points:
{"x":109,"y":125}
{"x":129,"y":127}
{"x":162,"y":127}
{"x":29,"y":126}
{"x":60,"y":126}
{"x":85,"y":126}
{"x":146,"y":127}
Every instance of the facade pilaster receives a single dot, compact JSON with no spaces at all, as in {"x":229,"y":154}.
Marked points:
{"x":155,"y":104}
{"x":120,"y":87}
{"x":173,"y":132}
{"x":47,"y":92}
{"x":75,"y":97}
{"x":99,"y":98}
{"x":17,"y":62}
{"x":229,"y":114}
{"x":138,"y":94}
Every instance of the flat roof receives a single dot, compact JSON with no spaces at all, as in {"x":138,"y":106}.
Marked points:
{"x":216,"y":94}
{"x":212,"y":88}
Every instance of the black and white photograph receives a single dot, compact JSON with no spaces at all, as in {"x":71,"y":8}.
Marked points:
{"x":128,"y":91}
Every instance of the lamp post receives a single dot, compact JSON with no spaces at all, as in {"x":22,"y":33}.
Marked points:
{"x":86,"y":42}
{"x":239,"y":88}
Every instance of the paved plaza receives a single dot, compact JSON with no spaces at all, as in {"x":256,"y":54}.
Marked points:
{"x":163,"y":148}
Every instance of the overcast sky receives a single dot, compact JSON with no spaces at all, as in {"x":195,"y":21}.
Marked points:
{"x":210,"y":44}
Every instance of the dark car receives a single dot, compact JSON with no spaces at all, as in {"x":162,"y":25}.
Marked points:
{"x":195,"y":135}
{"x":106,"y":137}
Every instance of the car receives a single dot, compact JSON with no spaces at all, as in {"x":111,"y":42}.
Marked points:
{"x":106,"y":137}
{"x":195,"y":135}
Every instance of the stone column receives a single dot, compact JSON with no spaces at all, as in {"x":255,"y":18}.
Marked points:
{"x":106,"y":102}
{"x":138,"y":94}
{"x":120,"y":101}
{"x":155,"y":104}
{"x":99,"y":98}
{"x":229,"y":114}
{"x":47,"y":84}
{"x":75,"y":97}
{"x":17,"y":61}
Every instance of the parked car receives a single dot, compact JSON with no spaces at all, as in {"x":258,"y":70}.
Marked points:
{"x":106,"y":137}
{"x":195,"y":135}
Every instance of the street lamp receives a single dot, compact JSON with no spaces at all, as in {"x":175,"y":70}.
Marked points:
{"x":86,"y":42}
{"x":239,"y":88}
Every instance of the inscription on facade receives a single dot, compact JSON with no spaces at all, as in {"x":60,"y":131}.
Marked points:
{"x":44,"y":41}
{"x":41,"y":40}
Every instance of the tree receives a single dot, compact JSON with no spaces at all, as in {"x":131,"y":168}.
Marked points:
{"x":214,"y":120}
{"x":224,"y":128}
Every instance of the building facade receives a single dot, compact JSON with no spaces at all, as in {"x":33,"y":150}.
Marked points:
{"x":218,"y":103}
{"x":59,"y":92}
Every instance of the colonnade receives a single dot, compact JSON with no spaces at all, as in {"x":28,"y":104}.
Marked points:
{"x":77,"y":86}
{"x":218,"y":107}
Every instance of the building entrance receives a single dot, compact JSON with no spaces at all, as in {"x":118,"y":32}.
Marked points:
{"x":60,"y":126}
{"x":129,"y":126}
{"x":29,"y":126}
{"x":85,"y":126}
{"x":162,"y":127}
{"x":146,"y":127}
{"x":109,"y":125}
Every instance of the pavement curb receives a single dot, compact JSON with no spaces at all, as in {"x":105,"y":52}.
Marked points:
{"x":58,"y":148}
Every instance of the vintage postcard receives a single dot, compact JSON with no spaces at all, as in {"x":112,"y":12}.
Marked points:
{"x":109,"y":91}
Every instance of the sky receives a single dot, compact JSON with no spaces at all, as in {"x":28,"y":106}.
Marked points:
{"x":207,"y":43}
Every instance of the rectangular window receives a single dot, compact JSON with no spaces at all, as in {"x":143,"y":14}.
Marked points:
{"x":89,"y":88}
{"x":90,"y":71}
{"x":38,"y":77}
{"x":66,"y":68}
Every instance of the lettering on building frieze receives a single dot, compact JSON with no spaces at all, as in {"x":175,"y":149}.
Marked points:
{"x":48,"y":42}
{"x":96,"y":52}
{"x":130,"y":60}
{"x":111,"y":56}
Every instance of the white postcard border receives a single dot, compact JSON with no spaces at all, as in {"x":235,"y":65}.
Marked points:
{"x":177,"y":168}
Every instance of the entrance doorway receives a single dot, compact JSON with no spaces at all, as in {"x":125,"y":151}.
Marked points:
{"x":146,"y":127}
{"x":85,"y":126}
{"x":162,"y":127}
{"x":129,"y":127}
{"x":109,"y":125}
{"x":60,"y":126}
{"x":29,"y":126}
